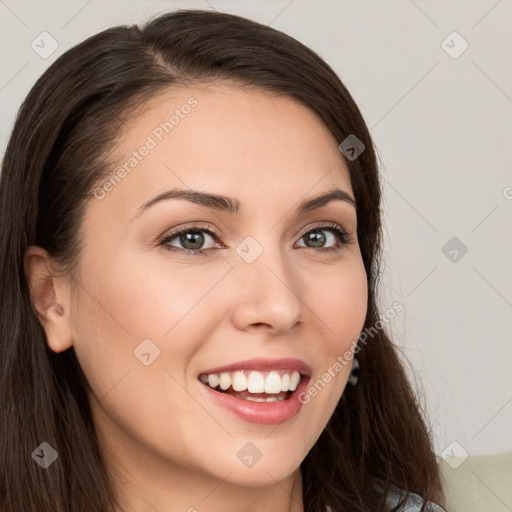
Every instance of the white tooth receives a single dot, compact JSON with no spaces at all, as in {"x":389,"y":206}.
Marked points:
{"x":213,"y":380}
{"x":269,"y":399}
{"x":254,"y":399}
{"x":294,"y":380}
{"x":239,"y":381}
{"x":285,"y":382}
{"x":224,"y":381}
{"x":203,"y":378}
{"x":273,"y":383}
{"x":255,"y":383}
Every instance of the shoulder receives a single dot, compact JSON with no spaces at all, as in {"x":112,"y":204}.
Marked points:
{"x":413,"y":503}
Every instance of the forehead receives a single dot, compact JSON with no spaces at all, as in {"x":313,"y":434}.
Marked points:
{"x":245,"y":142}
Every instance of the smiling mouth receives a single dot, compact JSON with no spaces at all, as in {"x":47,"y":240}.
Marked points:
{"x":254,"y":386}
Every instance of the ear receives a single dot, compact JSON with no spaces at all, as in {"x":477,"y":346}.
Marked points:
{"x":50,"y":297}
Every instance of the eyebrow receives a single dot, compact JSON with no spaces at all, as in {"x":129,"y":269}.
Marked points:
{"x":231,"y":205}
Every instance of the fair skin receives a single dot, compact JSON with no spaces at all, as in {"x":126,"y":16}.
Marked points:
{"x":169,"y":446}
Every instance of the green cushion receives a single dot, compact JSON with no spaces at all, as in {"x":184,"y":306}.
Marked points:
{"x":478,"y":483}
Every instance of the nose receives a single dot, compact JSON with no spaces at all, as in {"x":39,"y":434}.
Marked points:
{"x":268,"y":293}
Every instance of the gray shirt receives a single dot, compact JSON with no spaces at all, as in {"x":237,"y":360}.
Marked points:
{"x":413,"y":503}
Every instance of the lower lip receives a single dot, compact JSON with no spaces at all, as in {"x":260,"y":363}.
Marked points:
{"x":263,"y":413}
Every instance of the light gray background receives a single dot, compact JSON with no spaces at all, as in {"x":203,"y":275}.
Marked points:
{"x":442,"y":127}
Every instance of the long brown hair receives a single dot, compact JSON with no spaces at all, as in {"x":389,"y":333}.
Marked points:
{"x":57,"y":154}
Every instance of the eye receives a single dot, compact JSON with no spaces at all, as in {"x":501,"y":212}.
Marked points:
{"x":318,"y":238}
{"x":191,"y":239}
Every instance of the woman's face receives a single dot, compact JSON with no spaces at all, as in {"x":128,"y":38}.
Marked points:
{"x":271,"y":290}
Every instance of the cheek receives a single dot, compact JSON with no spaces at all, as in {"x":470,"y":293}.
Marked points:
{"x":339,"y":304}
{"x":110,"y":321}
{"x":340,"y":300}
{"x":142,"y":300}
{"x":123,"y":305}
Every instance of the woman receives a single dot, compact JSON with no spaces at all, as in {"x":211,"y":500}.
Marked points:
{"x":191,"y":230}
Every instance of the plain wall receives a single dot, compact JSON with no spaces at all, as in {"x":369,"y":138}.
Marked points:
{"x":442,"y":127}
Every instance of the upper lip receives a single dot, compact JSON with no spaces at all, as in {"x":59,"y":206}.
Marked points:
{"x":263,"y":364}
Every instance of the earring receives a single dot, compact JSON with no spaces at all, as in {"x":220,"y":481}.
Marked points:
{"x":354,"y":373}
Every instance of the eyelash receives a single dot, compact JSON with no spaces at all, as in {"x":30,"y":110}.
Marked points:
{"x":343,"y":236}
